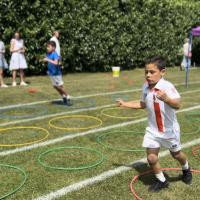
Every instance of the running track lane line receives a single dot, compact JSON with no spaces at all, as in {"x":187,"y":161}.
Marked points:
{"x":72,"y":136}
{"x":105,"y":175}
{"x":70,"y":112}
{"x":84,"y":96}
{"x":79,"y":97}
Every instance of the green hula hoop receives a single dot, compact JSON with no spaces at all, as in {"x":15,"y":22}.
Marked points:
{"x":193,"y":116}
{"x":98,"y":162}
{"x":101,"y":138}
{"x":21,"y":184}
{"x":103,"y":112}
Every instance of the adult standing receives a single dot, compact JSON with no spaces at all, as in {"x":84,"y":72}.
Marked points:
{"x":18,"y":61}
{"x":55,"y":38}
{"x":186,"y":62}
{"x":3,"y":63}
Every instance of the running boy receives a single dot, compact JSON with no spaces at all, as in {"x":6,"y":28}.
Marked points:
{"x":54,"y":71}
{"x":161,"y":99}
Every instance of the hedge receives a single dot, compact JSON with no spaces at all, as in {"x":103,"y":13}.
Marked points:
{"x":97,"y":34}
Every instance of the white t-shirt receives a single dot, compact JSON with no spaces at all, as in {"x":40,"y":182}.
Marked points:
{"x":186,"y":49}
{"x":2,"y":46}
{"x":55,"y":39}
{"x":162,"y":121}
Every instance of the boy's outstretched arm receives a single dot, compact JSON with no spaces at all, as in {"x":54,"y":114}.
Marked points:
{"x":55,"y":62}
{"x":131,"y":104}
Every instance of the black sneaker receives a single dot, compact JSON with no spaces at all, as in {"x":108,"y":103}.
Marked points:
{"x":187,"y":176}
{"x":158,"y":185}
{"x":67,"y":102}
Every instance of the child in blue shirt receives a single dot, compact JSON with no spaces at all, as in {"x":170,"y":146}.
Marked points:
{"x":54,"y":71}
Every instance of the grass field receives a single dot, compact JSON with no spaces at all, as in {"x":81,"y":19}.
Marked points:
{"x":119,"y":138}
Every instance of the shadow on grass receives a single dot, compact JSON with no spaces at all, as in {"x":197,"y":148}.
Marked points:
{"x":149,"y":178}
{"x":57,"y":102}
{"x":77,"y":103}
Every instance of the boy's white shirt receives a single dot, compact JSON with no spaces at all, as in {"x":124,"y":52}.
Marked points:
{"x":55,"y":39}
{"x":168,"y":115}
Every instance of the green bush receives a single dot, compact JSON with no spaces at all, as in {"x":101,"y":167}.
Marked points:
{"x":97,"y":34}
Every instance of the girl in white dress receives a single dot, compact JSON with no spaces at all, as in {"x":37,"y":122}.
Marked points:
{"x":18,"y":61}
{"x":3,"y":63}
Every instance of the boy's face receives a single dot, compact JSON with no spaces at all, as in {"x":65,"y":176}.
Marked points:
{"x":50,"y":48}
{"x":153,"y":74}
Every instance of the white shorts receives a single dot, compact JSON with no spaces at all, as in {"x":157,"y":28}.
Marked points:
{"x":56,"y":80}
{"x":173,"y":143}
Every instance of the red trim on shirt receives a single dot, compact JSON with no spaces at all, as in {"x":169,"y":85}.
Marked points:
{"x":158,"y":115}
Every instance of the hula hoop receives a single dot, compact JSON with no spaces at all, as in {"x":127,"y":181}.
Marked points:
{"x":96,"y":163}
{"x":118,"y":117}
{"x":26,"y":143}
{"x":100,"y":139}
{"x":42,"y":110}
{"x":191,"y":116}
{"x":135,"y":178}
{"x":22,"y":182}
{"x":91,"y":103}
{"x":100,"y":122}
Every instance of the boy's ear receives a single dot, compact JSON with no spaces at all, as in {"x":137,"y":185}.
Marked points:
{"x":163,"y":72}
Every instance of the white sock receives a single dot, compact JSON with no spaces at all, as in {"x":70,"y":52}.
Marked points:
{"x":160,"y":176}
{"x":64,"y":96}
{"x":186,"y":166}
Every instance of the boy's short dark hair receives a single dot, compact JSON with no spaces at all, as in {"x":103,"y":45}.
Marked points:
{"x":51,"y":43}
{"x":159,"y":61}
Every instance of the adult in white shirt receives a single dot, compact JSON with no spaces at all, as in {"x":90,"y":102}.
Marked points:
{"x":186,"y":62}
{"x":55,"y":38}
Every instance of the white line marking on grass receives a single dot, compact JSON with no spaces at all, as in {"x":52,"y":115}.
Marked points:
{"x":188,"y":92}
{"x":84,"y":96}
{"x":103,"y":176}
{"x":69,"y":112}
{"x":56,"y":114}
{"x":72,"y":136}
{"x":78,"y":97}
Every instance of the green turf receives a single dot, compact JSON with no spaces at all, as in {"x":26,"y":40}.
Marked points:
{"x":41,"y":180}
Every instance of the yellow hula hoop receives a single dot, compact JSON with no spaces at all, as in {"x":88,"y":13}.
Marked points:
{"x":100,"y":122}
{"x":118,"y":117}
{"x":26,"y":143}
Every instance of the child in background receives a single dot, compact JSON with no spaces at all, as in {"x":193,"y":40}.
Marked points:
{"x":54,"y":71}
{"x":161,"y":100}
{"x":3,"y":63}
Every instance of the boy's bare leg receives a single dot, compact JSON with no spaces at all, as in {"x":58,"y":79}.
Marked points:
{"x":64,"y":95}
{"x":161,"y":183}
{"x":152,"y":157}
{"x":182,"y":159}
{"x":61,"y":90}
